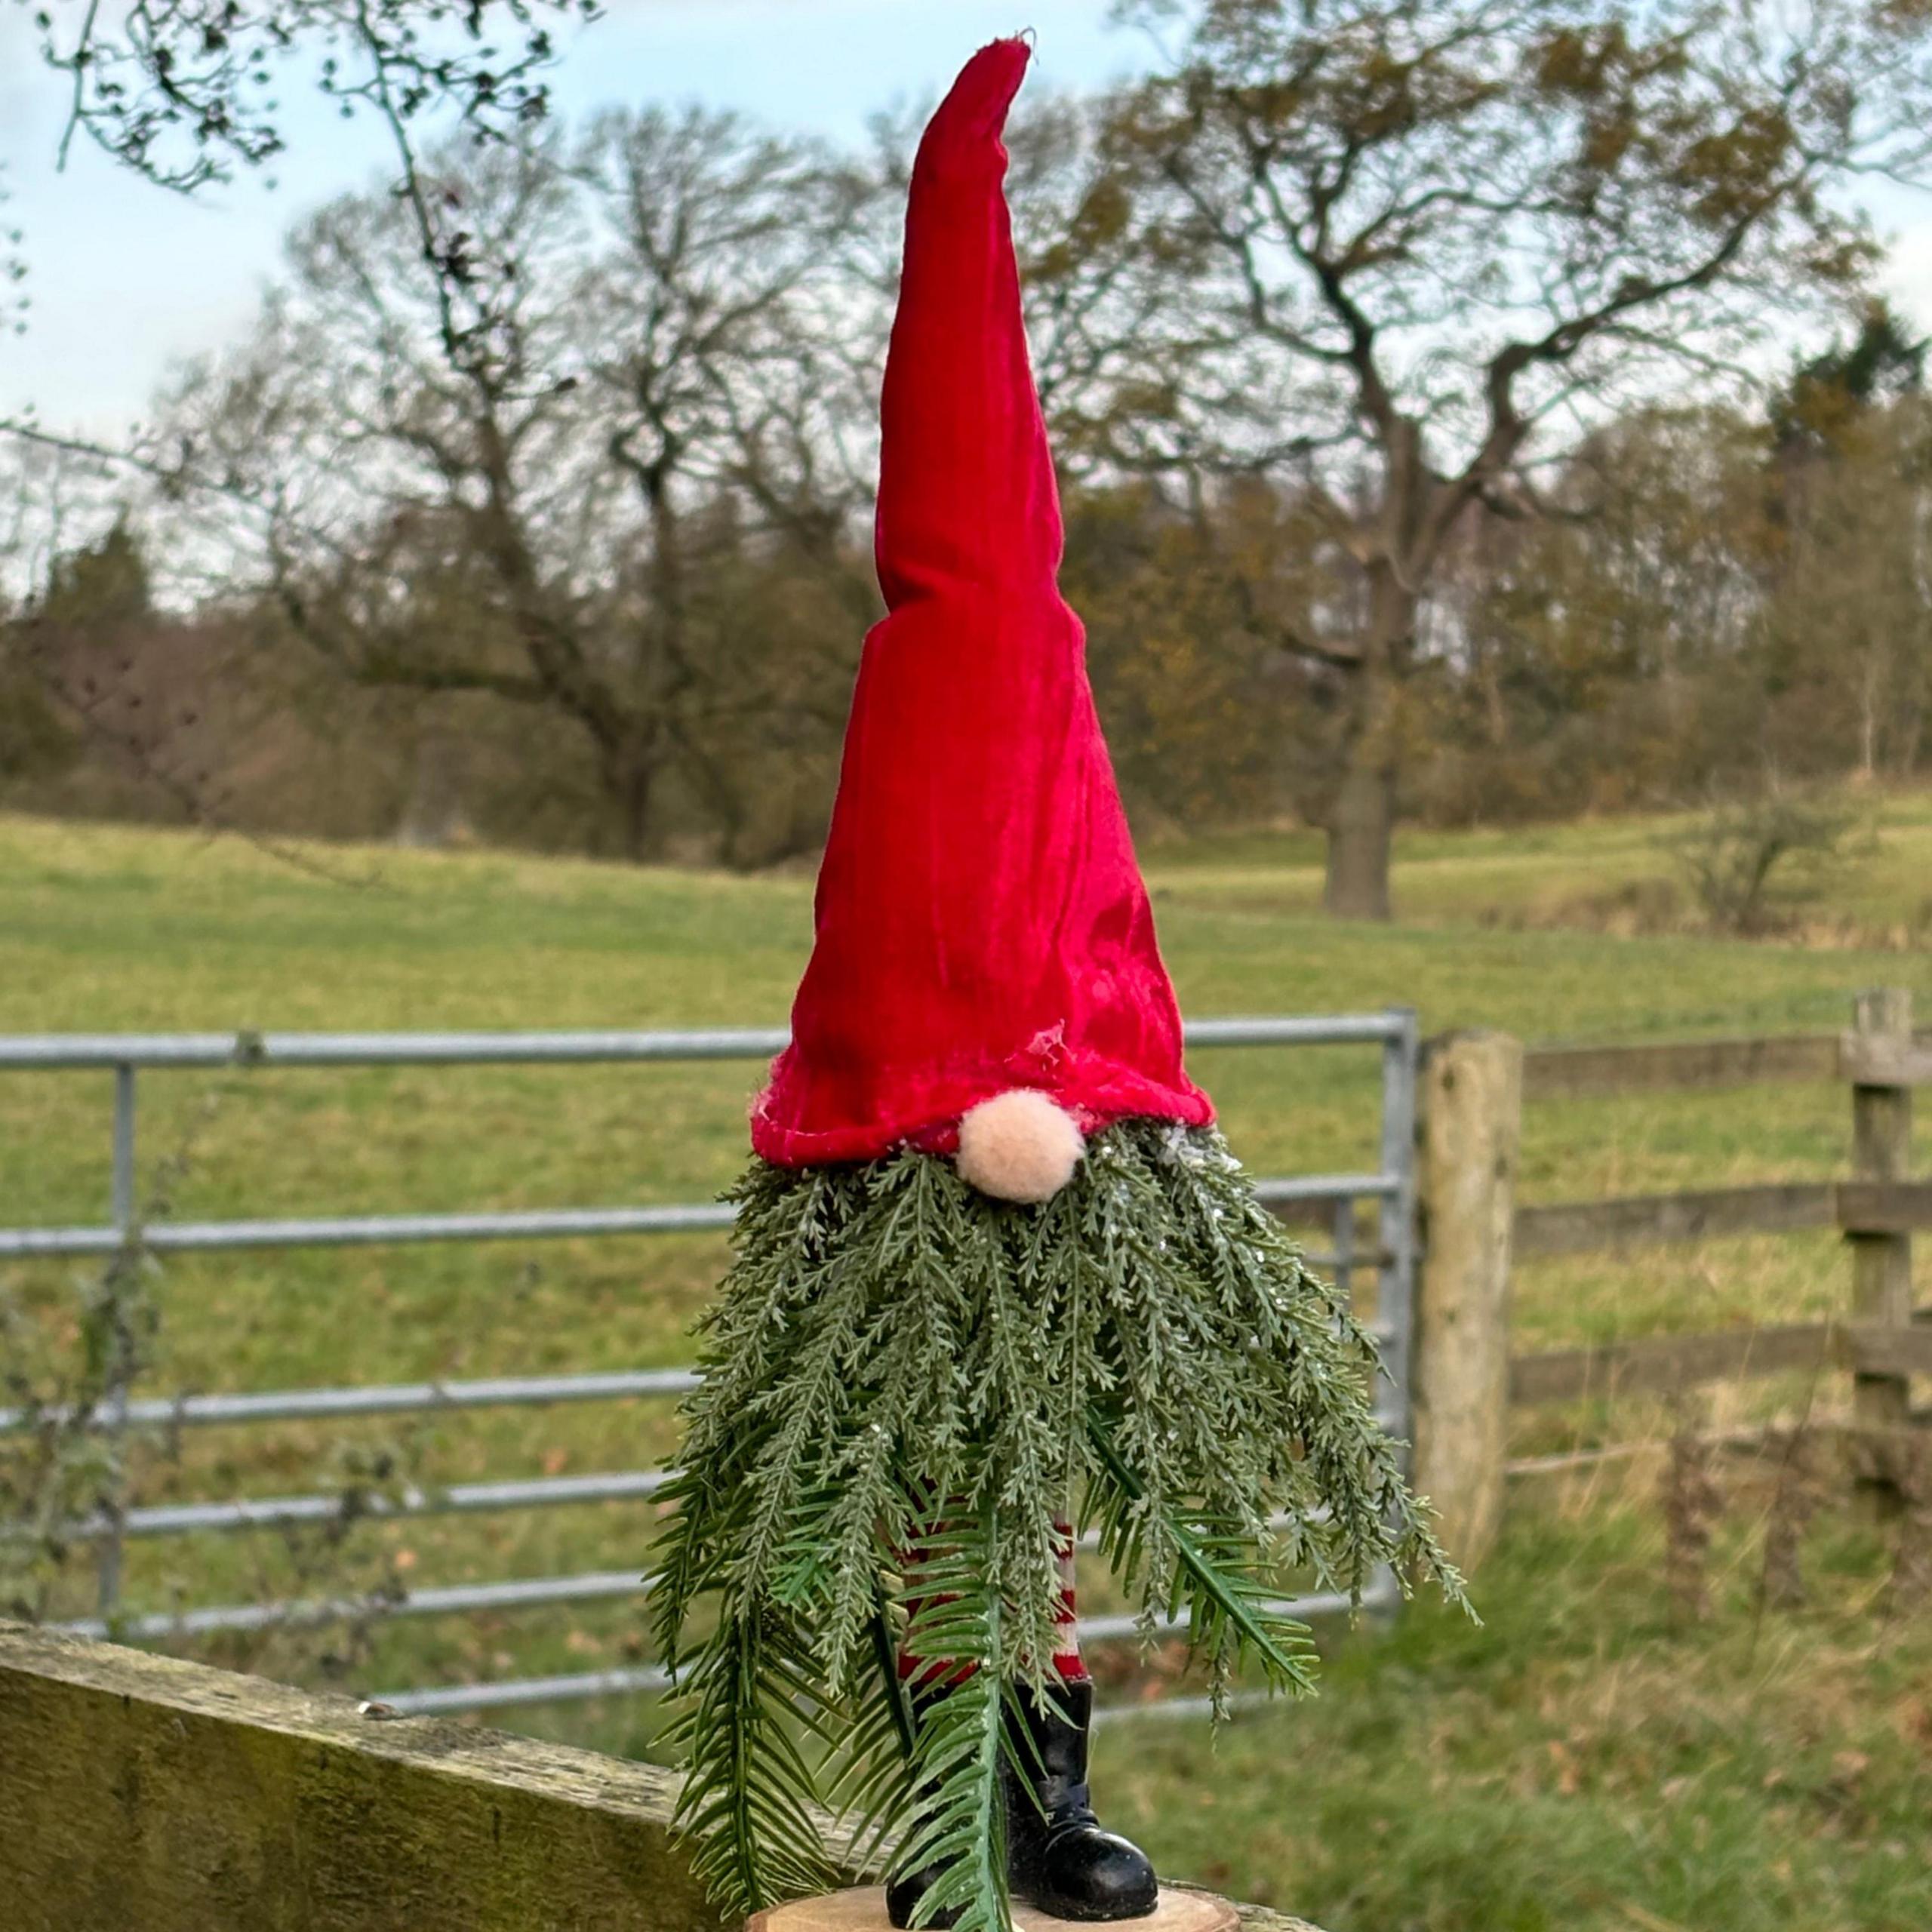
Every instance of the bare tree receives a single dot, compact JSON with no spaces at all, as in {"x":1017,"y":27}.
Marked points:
{"x":1464,"y":228}
{"x":730,"y":402}
{"x":187,"y":92}
{"x":495,"y":430}
{"x":184,"y":91}
{"x":14,"y":300}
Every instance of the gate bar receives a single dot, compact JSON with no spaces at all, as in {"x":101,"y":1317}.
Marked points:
{"x":49,"y":1051}
{"x":450,"y":1699}
{"x":457,"y":1499}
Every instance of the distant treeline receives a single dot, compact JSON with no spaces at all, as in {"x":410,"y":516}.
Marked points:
{"x":1706,"y":602}
{"x":534,"y":507}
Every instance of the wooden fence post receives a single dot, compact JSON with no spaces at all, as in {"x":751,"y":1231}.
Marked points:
{"x":1881,"y":1263}
{"x":1471,"y":1131}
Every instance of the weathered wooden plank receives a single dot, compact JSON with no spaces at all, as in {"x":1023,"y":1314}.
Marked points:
{"x":1891,"y":1351}
{"x":1877,"y":1060}
{"x":1578,"y":1227}
{"x":1885,"y":1207}
{"x":1553,"y":1073}
{"x":1661,"y":1365}
{"x":142,"y":1792}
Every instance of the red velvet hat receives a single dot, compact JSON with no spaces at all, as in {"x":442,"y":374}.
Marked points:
{"x":981,"y":923}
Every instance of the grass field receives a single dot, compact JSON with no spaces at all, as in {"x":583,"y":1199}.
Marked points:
{"x":1580,"y":1761}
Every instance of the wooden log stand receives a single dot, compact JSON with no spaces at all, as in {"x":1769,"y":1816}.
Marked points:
{"x":862,"y":1909}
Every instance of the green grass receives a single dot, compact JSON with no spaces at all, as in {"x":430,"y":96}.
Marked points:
{"x":1878,"y":882}
{"x":1580,"y":1761}
{"x":1531,"y":1774}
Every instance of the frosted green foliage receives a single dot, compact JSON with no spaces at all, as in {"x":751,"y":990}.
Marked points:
{"x":905,"y":1381}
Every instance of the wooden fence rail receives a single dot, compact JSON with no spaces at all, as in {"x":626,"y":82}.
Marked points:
{"x":1579,"y":1227}
{"x":1665,"y":1365}
{"x":1473,"y":1089}
{"x":146,"y":1794}
{"x":1885,"y":1207}
{"x":1564,"y":1073}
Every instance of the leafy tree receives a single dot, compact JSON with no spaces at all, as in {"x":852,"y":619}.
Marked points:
{"x":72,"y":671}
{"x":1581,"y":659}
{"x":1465,"y":228}
{"x":101,"y":585}
{"x":1882,"y":364}
{"x":1846,"y":626}
{"x":1186,"y":669}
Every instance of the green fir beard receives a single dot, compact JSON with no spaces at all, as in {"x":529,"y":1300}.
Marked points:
{"x":892,"y":1346}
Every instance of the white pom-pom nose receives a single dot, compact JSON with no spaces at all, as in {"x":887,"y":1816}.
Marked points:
{"x":1019,"y":1145}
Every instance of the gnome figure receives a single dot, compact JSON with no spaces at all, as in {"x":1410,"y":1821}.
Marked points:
{"x":1000,"y":1288}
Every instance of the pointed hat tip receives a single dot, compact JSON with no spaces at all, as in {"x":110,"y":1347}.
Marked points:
{"x":977,"y":106}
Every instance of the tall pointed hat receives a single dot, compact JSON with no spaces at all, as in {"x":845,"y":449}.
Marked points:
{"x":981,"y":923}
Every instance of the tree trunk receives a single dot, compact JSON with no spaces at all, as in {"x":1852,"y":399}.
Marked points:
{"x":432,"y":816}
{"x":1912,"y":735}
{"x":1361,"y":819}
{"x":635,"y":785}
{"x":1361,"y":826}
{"x":628,"y":766}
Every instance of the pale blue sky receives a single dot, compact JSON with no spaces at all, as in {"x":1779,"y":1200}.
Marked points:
{"x":126,"y":278}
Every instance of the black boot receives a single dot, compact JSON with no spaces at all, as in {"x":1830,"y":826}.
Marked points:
{"x":902,"y":1894}
{"x":1057,"y":1855}
{"x":905,"y":1890}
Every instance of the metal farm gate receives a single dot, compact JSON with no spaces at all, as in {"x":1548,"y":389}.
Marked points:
{"x":1334,"y":1197}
